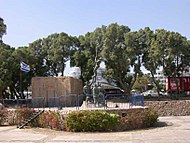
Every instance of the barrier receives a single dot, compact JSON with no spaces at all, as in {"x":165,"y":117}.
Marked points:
{"x":79,"y":102}
{"x":137,"y":100}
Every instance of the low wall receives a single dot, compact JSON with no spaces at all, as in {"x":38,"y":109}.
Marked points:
{"x":170,"y":108}
{"x":125,"y":112}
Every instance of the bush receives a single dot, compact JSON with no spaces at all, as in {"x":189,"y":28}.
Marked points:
{"x":133,"y":120}
{"x":11,"y":119}
{"x":3,"y":116}
{"x":84,"y":121}
{"x":138,"y":120}
{"x":51,"y":119}
{"x":90,"y":121}
{"x":150,"y":117}
{"x":23,"y":114}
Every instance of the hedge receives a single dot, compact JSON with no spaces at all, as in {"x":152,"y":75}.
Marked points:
{"x":83,"y":121}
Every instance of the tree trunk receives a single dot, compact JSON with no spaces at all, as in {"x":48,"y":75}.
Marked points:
{"x":1,"y":95}
{"x":63,"y":67}
{"x":156,"y":83}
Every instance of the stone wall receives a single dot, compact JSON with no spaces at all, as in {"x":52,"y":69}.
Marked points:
{"x":125,"y":112}
{"x":170,"y":108}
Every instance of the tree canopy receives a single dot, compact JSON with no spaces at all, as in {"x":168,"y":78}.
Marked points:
{"x":3,"y":29}
{"x":124,"y":52}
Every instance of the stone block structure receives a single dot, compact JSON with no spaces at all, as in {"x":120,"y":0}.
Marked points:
{"x":61,"y":88}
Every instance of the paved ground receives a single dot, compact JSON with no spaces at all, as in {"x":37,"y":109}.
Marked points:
{"x":177,"y":130}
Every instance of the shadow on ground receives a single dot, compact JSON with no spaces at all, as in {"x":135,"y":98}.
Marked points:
{"x":163,"y":124}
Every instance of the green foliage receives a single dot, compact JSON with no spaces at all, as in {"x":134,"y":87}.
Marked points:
{"x":3,"y":28}
{"x":141,"y":84}
{"x":168,"y":50}
{"x":91,"y":44}
{"x":123,"y":51}
{"x":10,"y":75}
{"x":6,"y":71}
{"x":3,"y":116}
{"x":50,"y":54}
{"x":84,"y":57}
{"x":84,"y":121}
{"x":117,"y":58}
{"x":102,"y":121}
{"x":20,"y":54}
{"x":90,"y":121}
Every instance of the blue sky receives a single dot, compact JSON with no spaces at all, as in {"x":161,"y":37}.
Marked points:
{"x":29,"y":20}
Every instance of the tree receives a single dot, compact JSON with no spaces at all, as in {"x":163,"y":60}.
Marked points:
{"x":91,"y":45}
{"x":151,"y":58}
{"x":2,"y":29}
{"x":59,"y":51}
{"x":169,"y":50}
{"x":51,"y":54}
{"x":117,"y":58}
{"x":39,"y":62}
{"x":21,"y":80}
{"x":84,"y":57}
{"x":179,"y":49}
{"x":6,"y":69}
{"x":141,"y":83}
{"x":136,"y":43}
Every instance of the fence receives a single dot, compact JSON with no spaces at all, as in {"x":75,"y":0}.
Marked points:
{"x":73,"y":101}
{"x":17,"y":103}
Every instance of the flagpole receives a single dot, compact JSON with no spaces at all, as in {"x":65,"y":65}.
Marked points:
{"x":27,"y":79}
{"x":21,"y":83}
{"x":23,"y":68}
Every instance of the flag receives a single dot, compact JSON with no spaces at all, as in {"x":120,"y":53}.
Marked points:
{"x":24,"y":67}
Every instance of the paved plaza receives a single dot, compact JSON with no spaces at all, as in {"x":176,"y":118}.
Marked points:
{"x":174,"y":129}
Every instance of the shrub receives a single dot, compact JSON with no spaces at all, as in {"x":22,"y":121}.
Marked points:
{"x":84,"y":121}
{"x":11,"y":119}
{"x":23,"y":114}
{"x":51,"y":119}
{"x":138,"y":119}
{"x":150,"y":117}
{"x":133,"y":120}
{"x":3,"y":116}
{"x":90,"y":121}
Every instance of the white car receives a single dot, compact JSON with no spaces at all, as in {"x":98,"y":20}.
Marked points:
{"x":163,"y":93}
{"x":151,"y":93}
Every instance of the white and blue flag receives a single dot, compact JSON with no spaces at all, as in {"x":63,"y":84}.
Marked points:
{"x":24,"y":67}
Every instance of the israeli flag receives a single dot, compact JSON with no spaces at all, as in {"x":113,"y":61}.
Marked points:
{"x":24,"y":67}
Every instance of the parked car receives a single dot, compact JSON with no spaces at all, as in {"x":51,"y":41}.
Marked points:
{"x":113,"y":93}
{"x":135,"y":92}
{"x":164,"y":93}
{"x":151,"y":93}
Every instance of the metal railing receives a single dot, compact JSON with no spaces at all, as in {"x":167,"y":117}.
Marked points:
{"x":74,"y":101}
